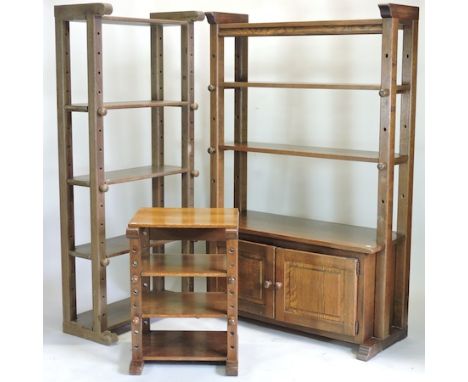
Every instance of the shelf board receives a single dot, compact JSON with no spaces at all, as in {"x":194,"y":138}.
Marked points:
{"x":130,"y":175}
{"x":198,"y":218}
{"x":184,"y":304}
{"x":295,"y":85}
{"x":196,"y":265}
{"x":118,"y":314}
{"x":312,"y":232}
{"x":302,"y":28}
{"x":310,"y":151}
{"x":83,"y":107}
{"x":115,"y":246}
{"x":139,"y":21}
{"x":185,"y":346}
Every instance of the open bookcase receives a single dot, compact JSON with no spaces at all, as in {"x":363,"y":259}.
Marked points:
{"x":100,"y":323}
{"x":337,"y":280}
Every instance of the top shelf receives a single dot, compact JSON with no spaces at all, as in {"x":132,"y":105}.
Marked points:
{"x":139,"y":21}
{"x":83,"y":107}
{"x":290,"y":85}
{"x":304,"y":28}
{"x":185,"y":218}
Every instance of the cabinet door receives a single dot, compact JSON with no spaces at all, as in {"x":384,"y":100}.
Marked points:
{"x":256,"y":278}
{"x":317,"y":291}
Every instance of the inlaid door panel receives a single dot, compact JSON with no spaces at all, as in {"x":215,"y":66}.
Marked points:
{"x":256,"y":278}
{"x":317,"y":291}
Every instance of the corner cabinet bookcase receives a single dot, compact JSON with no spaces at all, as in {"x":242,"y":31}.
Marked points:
{"x":339,"y":281}
{"x":102,"y":322}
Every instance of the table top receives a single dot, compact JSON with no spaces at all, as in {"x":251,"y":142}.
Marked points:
{"x":185,"y":218}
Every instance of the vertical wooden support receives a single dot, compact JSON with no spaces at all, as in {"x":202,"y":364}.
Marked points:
{"x":405,"y":180}
{"x":187,"y":94}
{"x":385,"y":260}
{"x":145,"y":250}
{"x":232,"y":290}
{"x":216,"y":136}
{"x":217,"y":118}
{"x":96,"y":171}
{"x":157,"y":127}
{"x":64,"y":125}
{"x":240,"y":122}
{"x":135,"y":236}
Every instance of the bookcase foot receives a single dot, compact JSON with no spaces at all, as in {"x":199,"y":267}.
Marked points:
{"x":374,"y":346}
{"x":232,"y":368}
{"x":136,"y":367}
{"x":104,"y":338}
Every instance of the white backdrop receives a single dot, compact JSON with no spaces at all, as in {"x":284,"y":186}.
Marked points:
{"x":326,"y":190}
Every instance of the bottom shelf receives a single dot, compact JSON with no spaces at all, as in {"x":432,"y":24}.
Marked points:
{"x":118,"y":314}
{"x":185,"y":346}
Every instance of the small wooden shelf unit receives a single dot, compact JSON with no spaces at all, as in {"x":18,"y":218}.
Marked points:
{"x":336,"y":280}
{"x":100,"y":323}
{"x":216,"y":225}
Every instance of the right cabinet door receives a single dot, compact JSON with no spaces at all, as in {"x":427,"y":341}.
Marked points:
{"x":317,"y":291}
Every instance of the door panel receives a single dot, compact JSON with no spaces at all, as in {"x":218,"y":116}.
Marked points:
{"x":317,"y":291}
{"x":256,"y":266}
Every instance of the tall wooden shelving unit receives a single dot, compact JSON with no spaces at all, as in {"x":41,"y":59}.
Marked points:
{"x":101,"y":323}
{"x":340,"y":281}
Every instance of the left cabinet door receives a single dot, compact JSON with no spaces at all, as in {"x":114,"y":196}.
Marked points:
{"x":317,"y":291}
{"x":256,"y":278}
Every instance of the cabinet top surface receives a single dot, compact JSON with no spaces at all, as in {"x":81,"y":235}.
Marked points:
{"x":185,"y":218}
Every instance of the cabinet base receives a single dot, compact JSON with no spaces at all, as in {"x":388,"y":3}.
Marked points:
{"x":104,"y":338}
{"x":373,"y":346}
{"x":232,"y":369}
{"x":136,"y":367}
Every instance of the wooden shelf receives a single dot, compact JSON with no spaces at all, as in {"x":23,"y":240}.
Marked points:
{"x":185,"y":346}
{"x":115,"y":246}
{"x":313,"y":232}
{"x":294,"y":85}
{"x":130,"y":175}
{"x":118,"y":314}
{"x":139,"y":21}
{"x":83,"y":107}
{"x":157,"y":217}
{"x":310,"y":151}
{"x":302,"y":28}
{"x":197,"y":265}
{"x":184,"y":304}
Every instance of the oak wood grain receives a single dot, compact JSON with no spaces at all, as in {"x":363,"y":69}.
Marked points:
{"x":83,"y":107}
{"x":130,"y":175}
{"x":185,"y":346}
{"x":309,"y":151}
{"x":308,"y":231}
{"x":118,"y":20}
{"x":185,"y":218}
{"x":184,"y":304}
{"x":303,"y":28}
{"x":199,"y":265}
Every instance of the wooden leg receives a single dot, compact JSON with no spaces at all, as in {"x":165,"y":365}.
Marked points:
{"x":232,"y":290}
{"x":104,"y":338}
{"x":374,"y":346}
{"x":232,"y":368}
{"x":136,"y":367}
{"x":157,"y":129}
{"x":137,"y":238}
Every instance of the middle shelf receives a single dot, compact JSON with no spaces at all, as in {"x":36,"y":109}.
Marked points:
{"x":194,"y":265}
{"x":130,"y":175}
{"x":83,"y":107}
{"x":115,"y":246}
{"x":184,"y":304}
{"x":310,"y":151}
